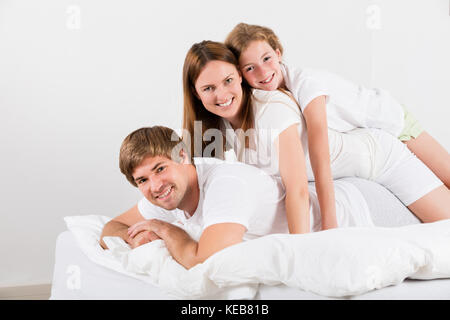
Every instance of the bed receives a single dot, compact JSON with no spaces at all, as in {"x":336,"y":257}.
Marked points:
{"x":78,"y":274}
{"x":98,"y":282}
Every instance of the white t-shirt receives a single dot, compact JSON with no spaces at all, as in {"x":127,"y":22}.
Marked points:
{"x":349,"y":105}
{"x":274,"y":111}
{"x":239,"y":193}
{"x":229,"y":193}
{"x":366,"y":153}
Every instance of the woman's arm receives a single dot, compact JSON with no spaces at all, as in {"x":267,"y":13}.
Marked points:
{"x":293,"y":174}
{"x":319,"y":154}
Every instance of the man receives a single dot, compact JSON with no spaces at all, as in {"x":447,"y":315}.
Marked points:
{"x":201,"y":207}
{"x":230,"y":202}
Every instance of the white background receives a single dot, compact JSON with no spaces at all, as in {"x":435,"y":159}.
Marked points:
{"x":77,"y":76}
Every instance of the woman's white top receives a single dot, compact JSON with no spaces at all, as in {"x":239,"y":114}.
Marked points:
{"x":367,"y":153}
{"x":274,"y":111}
{"x":349,"y":105}
{"x":351,"y":154}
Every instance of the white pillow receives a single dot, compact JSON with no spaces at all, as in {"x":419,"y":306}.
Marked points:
{"x":151,"y":263}
{"x":336,"y":263}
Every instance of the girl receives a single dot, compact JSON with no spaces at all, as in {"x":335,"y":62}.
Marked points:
{"x":271,"y":120}
{"x":348,"y":106}
{"x":328,"y":101}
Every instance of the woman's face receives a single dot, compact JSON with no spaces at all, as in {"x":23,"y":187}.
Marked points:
{"x":260,"y":66}
{"x":219,"y":88}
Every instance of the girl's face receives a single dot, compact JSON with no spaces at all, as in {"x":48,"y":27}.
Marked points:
{"x":260,"y":66}
{"x":219,"y":88}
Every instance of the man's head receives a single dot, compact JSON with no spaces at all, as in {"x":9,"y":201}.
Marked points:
{"x":154,"y":160}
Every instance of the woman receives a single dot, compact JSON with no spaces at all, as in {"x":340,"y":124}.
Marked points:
{"x":215,"y":95}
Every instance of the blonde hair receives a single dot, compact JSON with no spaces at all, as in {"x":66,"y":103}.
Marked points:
{"x":193,"y":110}
{"x":243,"y":34}
{"x":149,"y":141}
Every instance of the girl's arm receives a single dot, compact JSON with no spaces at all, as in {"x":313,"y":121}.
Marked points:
{"x":319,"y":154}
{"x":293,"y":174}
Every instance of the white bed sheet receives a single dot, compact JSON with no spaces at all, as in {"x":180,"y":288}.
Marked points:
{"x":77,"y":277}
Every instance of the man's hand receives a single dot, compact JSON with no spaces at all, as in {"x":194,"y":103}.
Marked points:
{"x":141,"y":238}
{"x":182,"y":247}
{"x":118,"y":226}
{"x":153,"y":226}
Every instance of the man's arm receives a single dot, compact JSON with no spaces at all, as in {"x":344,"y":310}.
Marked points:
{"x":118,"y":227}
{"x":183,"y":248}
{"x":114,"y":229}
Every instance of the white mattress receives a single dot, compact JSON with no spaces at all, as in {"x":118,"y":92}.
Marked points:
{"x":96,"y":282}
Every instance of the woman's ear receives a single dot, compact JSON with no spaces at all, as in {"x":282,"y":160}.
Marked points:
{"x":194,"y":92}
{"x":239,"y":74}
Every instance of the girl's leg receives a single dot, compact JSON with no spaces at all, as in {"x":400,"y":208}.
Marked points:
{"x":433,"y":206}
{"x":407,"y":177}
{"x":430,"y":152}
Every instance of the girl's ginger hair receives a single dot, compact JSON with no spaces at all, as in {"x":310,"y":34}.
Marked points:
{"x":193,"y":110}
{"x":243,"y":34}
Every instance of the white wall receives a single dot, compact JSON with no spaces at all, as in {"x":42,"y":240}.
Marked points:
{"x":73,"y":86}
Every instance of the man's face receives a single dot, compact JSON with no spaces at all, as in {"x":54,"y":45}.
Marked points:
{"x":162,"y":181}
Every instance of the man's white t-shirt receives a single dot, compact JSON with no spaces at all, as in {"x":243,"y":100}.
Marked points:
{"x":229,"y":193}
{"x":349,"y":105}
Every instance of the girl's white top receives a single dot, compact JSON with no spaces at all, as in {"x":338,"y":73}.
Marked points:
{"x":349,"y":105}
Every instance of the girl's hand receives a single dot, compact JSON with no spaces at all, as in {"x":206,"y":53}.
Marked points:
{"x":329,"y":225}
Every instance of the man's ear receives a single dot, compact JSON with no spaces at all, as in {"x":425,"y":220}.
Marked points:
{"x":184,"y":157}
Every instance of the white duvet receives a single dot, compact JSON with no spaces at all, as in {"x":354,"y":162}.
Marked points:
{"x":335,"y":263}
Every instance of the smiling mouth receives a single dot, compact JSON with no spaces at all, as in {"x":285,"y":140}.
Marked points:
{"x":226,"y":104}
{"x":165,"y":195}
{"x":268,"y":80}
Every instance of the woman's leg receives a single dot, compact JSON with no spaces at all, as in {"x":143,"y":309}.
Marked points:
{"x":430,"y":152}
{"x":433,"y":206}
